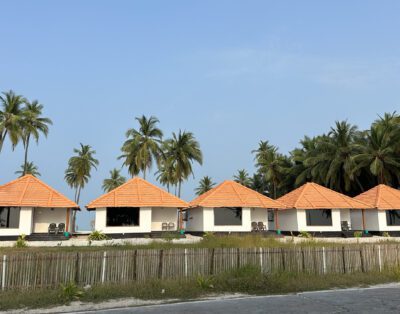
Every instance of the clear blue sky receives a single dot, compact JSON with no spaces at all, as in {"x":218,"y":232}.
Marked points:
{"x":232,"y":72}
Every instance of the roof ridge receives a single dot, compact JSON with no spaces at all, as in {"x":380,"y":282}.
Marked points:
{"x":390,"y":190}
{"x":261,"y":196}
{"x":237,"y":193}
{"x":378,"y":196}
{"x":51,"y":189}
{"x":302,"y":191}
{"x":135,"y":180}
{"x":212,"y":191}
{"x":25,"y":188}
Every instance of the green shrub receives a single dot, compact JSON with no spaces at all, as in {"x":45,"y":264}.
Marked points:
{"x":209,"y":235}
{"x":305,"y":234}
{"x":97,"y":236}
{"x":169,"y":236}
{"x":70,"y":292}
{"x":357,"y":234}
{"x":386,"y":234}
{"x":21,"y":242}
{"x":204,"y":282}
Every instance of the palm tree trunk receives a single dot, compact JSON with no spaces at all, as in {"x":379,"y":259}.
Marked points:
{"x":144,"y":174}
{"x":73,"y":220}
{"x":179,"y":188}
{"x":2,"y":138}
{"x":26,"y":154}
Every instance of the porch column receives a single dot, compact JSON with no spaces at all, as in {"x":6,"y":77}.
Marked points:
{"x":180,"y":219}
{"x":67,"y":220}
{"x":277,"y":221}
{"x":363,"y":219}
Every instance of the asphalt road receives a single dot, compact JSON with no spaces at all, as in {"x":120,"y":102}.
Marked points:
{"x":371,"y":300}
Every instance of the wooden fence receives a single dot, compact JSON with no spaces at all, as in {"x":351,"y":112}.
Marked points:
{"x":39,"y":270}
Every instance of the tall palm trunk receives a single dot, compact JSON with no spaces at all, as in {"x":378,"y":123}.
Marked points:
{"x":2,"y":139}
{"x":77,"y":197}
{"x":179,"y":188}
{"x":144,"y":174}
{"x":26,"y":153}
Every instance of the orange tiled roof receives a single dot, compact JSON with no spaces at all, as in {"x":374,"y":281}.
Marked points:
{"x":315,"y":196}
{"x":381,"y":197}
{"x":29,"y":191}
{"x":232,"y":194}
{"x":137,"y":193}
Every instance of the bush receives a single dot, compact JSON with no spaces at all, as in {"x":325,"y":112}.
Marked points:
{"x":97,"y":236}
{"x":386,"y":234}
{"x":169,"y":236}
{"x":305,"y":234}
{"x":70,"y":292}
{"x":21,"y":242}
{"x":204,"y":283}
{"x":358,"y":234}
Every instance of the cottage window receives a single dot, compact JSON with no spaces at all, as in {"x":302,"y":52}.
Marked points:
{"x":228,"y":216}
{"x":319,"y":217}
{"x":393,"y":217}
{"x":123,"y":216}
{"x":9,"y":217}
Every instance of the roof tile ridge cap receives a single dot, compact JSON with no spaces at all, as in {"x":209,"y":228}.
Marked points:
{"x":378,"y":196}
{"x":52,"y":190}
{"x":390,"y":190}
{"x":162,"y":190}
{"x":13,"y":181}
{"x":109,"y":193}
{"x":213,"y":191}
{"x":347,"y":199}
{"x":303,"y":187}
{"x":24,"y":191}
{"x":261,"y":196}
{"x":237,"y":193}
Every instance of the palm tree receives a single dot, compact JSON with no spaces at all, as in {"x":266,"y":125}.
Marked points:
{"x":115,"y":180}
{"x":205,"y":185}
{"x":11,"y":116}
{"x":180,"y":152}
{"x":142,"y":146}
{"x":79,"y":170}
{"x":271,"y":165}
{"x":242,"y":177}
{"x":166,"y":174}
{"x":28,"y":168}
{"x":32,"y":125}
{"x":332,"y":162}
{"x":380,"y":155}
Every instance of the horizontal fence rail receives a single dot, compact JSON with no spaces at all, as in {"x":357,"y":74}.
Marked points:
{"x":39,"y":270}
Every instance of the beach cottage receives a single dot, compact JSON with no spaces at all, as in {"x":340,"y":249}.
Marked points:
{"x":231,"y":207}
{"x":383,"y":214}
{"x":136,"y":208}
{"x":31,"y":207}
{"x":316,"y":209}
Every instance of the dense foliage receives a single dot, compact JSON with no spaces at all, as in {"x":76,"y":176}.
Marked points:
{"x":345,"y":159}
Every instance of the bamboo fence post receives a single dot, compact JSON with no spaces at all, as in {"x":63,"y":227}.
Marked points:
{"x":212,"y":262}
{"x":103,"y":267}
{"x":379,"y":258}
{"x":3,"y":277}
{"x":186,"y":263}
{"x":261,"y":259}
{"x":323,"y":260}
{"x":160,"y":264}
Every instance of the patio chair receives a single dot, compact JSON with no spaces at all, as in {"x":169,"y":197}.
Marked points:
{"x":53,"y":228}
{"x":164,"y":226}
{"x":171,"y":226}
{"x":261,"y":226}
{"x":61,"y":227}
{"x":254,"y":226}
